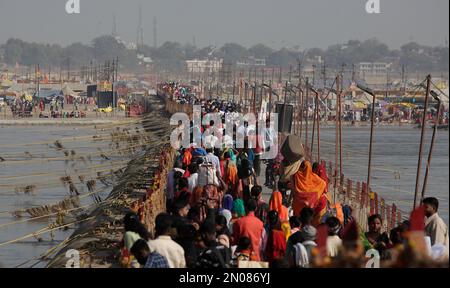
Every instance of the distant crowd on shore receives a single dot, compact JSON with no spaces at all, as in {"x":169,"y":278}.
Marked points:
{"x":26,"y":108}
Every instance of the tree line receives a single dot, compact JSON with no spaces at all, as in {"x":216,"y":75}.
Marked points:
{"x":172,"y":55}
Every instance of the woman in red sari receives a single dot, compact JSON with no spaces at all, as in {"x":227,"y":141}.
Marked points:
{"x":276,"y":239}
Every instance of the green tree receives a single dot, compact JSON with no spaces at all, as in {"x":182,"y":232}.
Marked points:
{"x":232,"y":52}
{"x":260,"y":51}
{"x":13,"y":51}
{"x":283,"y":58}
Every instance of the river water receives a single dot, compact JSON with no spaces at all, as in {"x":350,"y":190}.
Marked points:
{"x":394,"y":162}
{"x":395,"y":154}
{"x":32,"y":159}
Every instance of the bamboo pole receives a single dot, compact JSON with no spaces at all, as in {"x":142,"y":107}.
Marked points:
{"x":433,"y":138}
{"x":422,"y":136}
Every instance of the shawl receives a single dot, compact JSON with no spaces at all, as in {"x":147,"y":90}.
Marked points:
{"x":308,"y":188}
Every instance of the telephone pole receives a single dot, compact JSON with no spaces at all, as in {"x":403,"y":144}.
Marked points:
{"x":314,"y":75}
{"x":68,"y":69}
{"x":155,"y":33}
{"x":324,"y":74}
{"x":140,"y":30}
{"x":353,"y":73}
{"x":403,"y":79}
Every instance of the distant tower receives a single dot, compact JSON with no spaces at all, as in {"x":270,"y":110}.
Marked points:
{"x":194,"y":42}
{"x":114,"y":27}
{"x":155,"y":33}
{"x":140,"y":30}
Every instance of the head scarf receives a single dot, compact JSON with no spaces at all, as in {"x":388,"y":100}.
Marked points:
{"x":308,"y":188}
{"x":232,"y":155}
{"x":276,"y":203}
{"x":228,"y":202}
{"x":308,"y":233}
{"x":238,"y":208}
{"x":227,"y":214}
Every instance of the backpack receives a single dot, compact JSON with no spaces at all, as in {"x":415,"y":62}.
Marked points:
{"x":207,"y":174}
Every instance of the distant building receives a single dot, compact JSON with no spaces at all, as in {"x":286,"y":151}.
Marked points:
{"x":373,"y":68}
{"x":143,"y":59}
{"x":374,"y":73}
{"x":251,"y":62}
{"x":316,"y":60}
{"x":202,"y":66}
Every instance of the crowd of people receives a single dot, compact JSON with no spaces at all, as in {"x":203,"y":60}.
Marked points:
{"x":217,"y":216}
{"x":23,"y":108}
{"x":181,"y":93}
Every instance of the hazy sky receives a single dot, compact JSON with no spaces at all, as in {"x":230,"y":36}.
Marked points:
{"x":308,"y":23}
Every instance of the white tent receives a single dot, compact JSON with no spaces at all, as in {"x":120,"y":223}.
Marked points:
{"x":67,"y":91}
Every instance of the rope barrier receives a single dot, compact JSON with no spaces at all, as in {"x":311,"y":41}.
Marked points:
{"x":54,"y":183}
{"x":43,"y":231}
{"x":78,"y":158}
{"x":23,"y":210}
{"x":67,"y":139}
{"x":43,"y":255}
{"x":54,"y":172}
{"x":125,"y":140}
{"x":44,"y":216}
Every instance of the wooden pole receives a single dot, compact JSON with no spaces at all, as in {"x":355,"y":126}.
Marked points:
{"x":318,"y":128}
{"x":372,"y":123}
{"x":422,"y":135}
{"x":314,"y":127}
{"x":340,"y":131}
{"x":433,"y":138}
{"x":307,"y":111}
{"x":336,"y":150}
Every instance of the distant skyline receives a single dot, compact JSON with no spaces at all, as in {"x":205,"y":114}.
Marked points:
{"x":276,"y":23}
